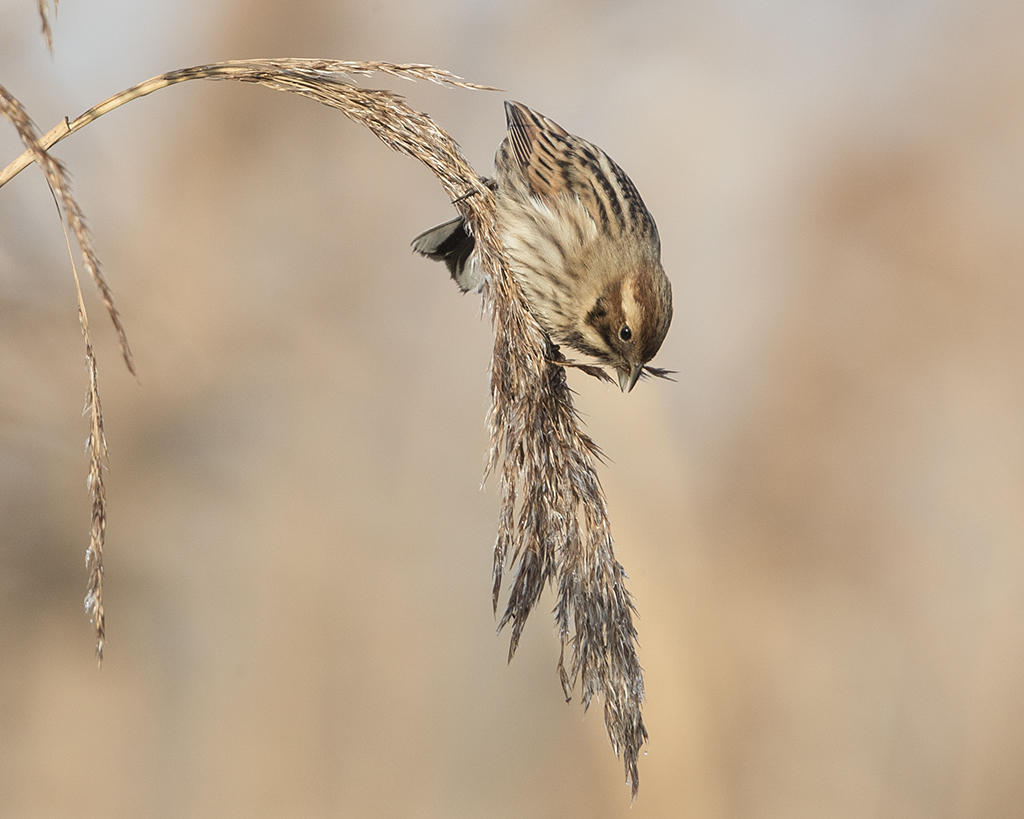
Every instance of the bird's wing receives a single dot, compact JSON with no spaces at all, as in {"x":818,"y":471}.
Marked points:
{"x":553,"y":163}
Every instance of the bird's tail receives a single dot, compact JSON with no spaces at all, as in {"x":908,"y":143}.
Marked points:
{"x":452,"y":244}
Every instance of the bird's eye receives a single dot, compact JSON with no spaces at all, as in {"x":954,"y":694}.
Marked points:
{"x":625,"y":333}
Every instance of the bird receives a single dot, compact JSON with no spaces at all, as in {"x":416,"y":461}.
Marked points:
{"x":581,"y":243}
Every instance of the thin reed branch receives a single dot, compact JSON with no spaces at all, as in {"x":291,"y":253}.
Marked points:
{"x":59,"y":180}
{"x":553,"y":526}
{"x":321,"y":77}
{"x":96,"y":449}
{"x":95,"y":443}
{"x":44,"y":18}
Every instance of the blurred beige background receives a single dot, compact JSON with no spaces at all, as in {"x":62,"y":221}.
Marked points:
{"x":822,"y":520}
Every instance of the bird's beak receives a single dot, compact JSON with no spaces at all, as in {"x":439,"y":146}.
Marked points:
{"x":628,"y":378}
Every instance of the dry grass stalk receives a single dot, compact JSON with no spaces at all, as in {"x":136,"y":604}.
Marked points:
{"x":44,"y":17}
{"x":96,"y":448}
{"x":96,"y":443}
{"x":60,"y":182}
{"x":321,"y":80}
{"x":553,"y":523}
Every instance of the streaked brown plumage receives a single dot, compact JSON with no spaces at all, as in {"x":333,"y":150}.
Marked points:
{"x":583,"y":245}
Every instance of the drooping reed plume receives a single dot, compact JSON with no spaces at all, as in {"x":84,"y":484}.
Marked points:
{"x":553,"y":526}
{"x":96,"y":443}
{"x":43,"y":7}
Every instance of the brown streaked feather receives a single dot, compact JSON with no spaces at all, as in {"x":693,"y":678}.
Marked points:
{"x":552,"y":162}
{"x":527,"y":129}
{"x":538,"y":148}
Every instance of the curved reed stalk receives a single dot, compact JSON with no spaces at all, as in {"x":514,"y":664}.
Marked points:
{"x":553,"y":526}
